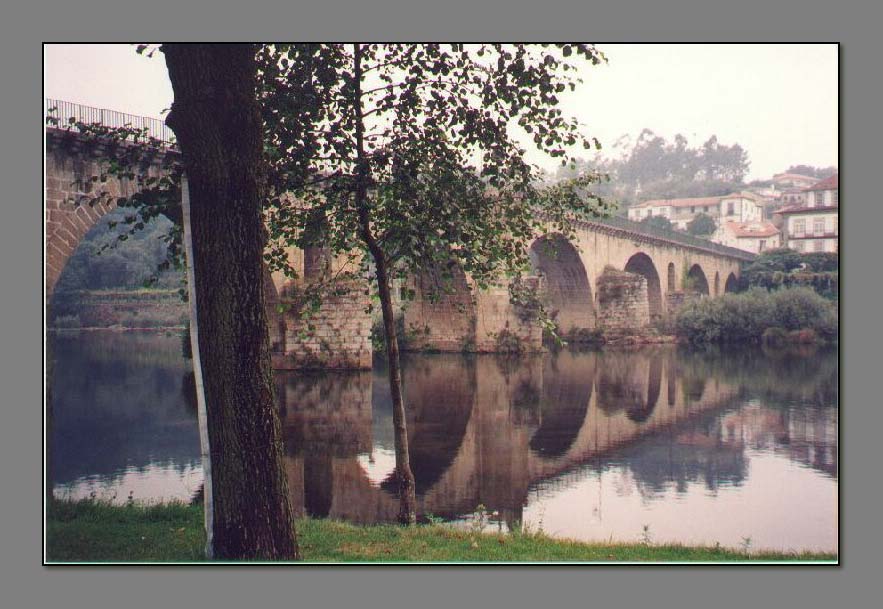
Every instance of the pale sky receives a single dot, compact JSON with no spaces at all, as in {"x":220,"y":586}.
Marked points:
{"x":780,"y":102}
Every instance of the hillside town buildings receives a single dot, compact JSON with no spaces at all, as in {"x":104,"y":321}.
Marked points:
{"x":736,"y":207}
{"x":813,"y":224}
{"x":796,"y":211}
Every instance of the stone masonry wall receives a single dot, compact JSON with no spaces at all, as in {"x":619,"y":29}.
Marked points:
{"x":675,"y":300}
{"x":70,"y":166}
{"x":622,"y":300}
{"x":441,"y":317}
{"x":502,"y":326}
{"x":338,"y":335}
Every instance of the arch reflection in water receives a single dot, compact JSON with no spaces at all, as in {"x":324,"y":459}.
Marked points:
{"x":567,"y":390}
{"x":594,"y":441}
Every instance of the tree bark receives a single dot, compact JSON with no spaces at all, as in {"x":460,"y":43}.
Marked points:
{"x":216,"y":118}
{"x":406,"y":487}
{"x":405,"y":477}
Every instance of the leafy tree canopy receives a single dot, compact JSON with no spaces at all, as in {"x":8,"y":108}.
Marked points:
{"x":815,"y":172}
{"x":432,"y":131}
{"x":701,"y":225}
{"x":652,"y":167}
{"x":658,"y":222}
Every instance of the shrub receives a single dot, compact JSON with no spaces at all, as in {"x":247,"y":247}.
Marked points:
{"x":756,"y":315}
{"x":701,"y":225}
{"x":774,"y":336}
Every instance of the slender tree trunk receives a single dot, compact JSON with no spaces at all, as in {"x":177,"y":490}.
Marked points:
{"x":217,"y":121}
{"x":404,"y":475}
{"x":407,"y":493}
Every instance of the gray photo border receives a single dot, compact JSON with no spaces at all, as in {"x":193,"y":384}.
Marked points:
{"x":26,"y":583}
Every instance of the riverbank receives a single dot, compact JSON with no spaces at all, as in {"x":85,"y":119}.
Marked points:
{"x":86,"y":531}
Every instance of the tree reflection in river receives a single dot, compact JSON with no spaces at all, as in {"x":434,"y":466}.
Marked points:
{"x":714,"y":434}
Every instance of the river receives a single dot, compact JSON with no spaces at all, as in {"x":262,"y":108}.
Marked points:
{"x":737,"y":446}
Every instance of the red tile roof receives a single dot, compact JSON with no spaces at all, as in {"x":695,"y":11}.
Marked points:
{"x":797,"y":209}
{"x":752,"y":229}
{"x":826,"y":184}
{"x":697,"y":201}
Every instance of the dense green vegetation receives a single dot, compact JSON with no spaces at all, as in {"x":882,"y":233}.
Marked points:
{"x":91,"y":531}
{"x":783,"y":268}
{"x":702,"y":225}
{"x":109,"y":257}
{"x":651,"y":167}
{"x":658,"y":222}
{"x":796,"y":314}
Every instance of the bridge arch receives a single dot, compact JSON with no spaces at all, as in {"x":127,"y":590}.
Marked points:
{"x":642,"y":264}
{"x":566,"y":289}
{"x":696,"y":280}
{"x":731,"y":284}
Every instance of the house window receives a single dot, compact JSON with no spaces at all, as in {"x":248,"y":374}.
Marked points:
{"x":798,"y":246}
{"x":818,"y":226}
{"x":818,"y":245}
{"x":692,"y":209}
{"x":761,"y":243}
{"x":799,"y":227}
{"x":835,"y":197}
{"x":731,"y":208}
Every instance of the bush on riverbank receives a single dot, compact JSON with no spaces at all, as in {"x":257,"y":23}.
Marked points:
{"x":784,"y":268}
{"x":758,"y":315}
{"x":80,"y":531}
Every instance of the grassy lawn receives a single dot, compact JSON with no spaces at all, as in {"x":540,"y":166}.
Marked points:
{"x":87,"y":531}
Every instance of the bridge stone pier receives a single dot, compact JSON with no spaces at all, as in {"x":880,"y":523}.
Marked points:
{"x":615,"y":274}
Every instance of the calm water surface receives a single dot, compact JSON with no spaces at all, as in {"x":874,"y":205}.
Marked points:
{"x":696,"y":446}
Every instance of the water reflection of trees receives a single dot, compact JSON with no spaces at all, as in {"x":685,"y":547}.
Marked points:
{"x":119,"y":403}
{"x":482,"y":429}
{"x":678,"y":460}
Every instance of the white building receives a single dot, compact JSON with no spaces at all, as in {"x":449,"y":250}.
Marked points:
{"x":736,"y":207}
{"x":754,"y":237}
{"x":813,"y":225}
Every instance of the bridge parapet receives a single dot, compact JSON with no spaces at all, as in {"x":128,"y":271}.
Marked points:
{"x":652,"y":234}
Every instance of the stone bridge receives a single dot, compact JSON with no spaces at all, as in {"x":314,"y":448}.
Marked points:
{"x":615,"y":274}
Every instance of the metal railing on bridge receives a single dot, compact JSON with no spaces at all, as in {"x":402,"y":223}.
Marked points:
{"x":63,"y":111}
{"x":677,"y":237}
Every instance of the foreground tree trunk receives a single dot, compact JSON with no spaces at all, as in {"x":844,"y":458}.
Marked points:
{"x":404,"y":475}
{"x":217,"y":121}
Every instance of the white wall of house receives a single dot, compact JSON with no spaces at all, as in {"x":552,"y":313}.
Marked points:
{"x":821,"y":198}
{"x":725,"y":236}
{"x":813,"y":232}
{"x":740,"y":209}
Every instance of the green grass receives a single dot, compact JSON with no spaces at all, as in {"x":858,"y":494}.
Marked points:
{"x":87,"y":531}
